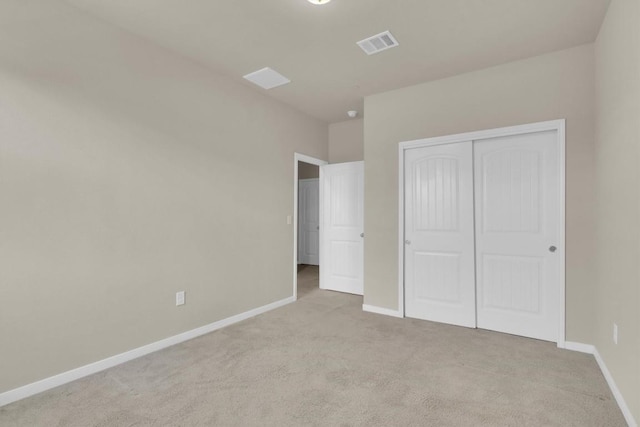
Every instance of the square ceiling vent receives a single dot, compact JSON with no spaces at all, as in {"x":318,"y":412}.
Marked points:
{"x":378,"y":43}
{"x":267,"y":78}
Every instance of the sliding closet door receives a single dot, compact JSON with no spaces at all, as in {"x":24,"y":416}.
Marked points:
{"x":517,"y":230}
{"x":439,"y":249}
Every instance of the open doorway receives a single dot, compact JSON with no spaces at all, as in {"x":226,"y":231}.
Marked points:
{"x":308,"y":228}
{"x":306,"y":225}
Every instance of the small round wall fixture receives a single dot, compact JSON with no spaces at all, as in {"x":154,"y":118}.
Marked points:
{"x":319,"y":2}
{"x":352,"y":114}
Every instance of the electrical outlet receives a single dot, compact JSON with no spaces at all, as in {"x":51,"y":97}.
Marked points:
{"x":180,"y":298}
{"x":289,"y":219}
{"x":615,"y":333}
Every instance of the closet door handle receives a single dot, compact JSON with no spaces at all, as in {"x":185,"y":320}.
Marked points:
{"x":407,"y":242}
{"x":552,"y":249}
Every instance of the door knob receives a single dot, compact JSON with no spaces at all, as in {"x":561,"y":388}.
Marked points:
{"x":552,"y":249}
{"x":318,"y":227}
{"x":407,"y":242}
{"x":361,"y":234}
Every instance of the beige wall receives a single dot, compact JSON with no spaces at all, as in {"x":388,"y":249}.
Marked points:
{"x":346,"y":141}
{"x":618,"y":192}
{"x":127,"y":174}
{"x":553,"y":86}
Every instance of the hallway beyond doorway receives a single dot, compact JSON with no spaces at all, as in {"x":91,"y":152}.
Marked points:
{"x":308,"y":280}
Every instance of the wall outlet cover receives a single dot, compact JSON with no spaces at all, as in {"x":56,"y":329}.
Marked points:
{"x":180,"y":298}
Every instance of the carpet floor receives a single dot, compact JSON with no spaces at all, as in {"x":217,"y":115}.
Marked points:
{"x":322,"y":361}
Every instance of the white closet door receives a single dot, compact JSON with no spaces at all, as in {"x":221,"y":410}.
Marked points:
{"x":517,"y":226}
{"x":308,"y":221}
{"x":342,"y":227}
{"x":439,"y":247}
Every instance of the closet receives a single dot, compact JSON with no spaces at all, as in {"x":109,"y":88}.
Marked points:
{"x":483,"y":229}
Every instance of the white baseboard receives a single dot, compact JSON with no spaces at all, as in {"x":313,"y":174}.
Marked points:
{"x":590,"y":349}
{"x":92,"y":368}
{"x":380,"y":310}
{"x":579,"y":347}
{"x":628,"y":416}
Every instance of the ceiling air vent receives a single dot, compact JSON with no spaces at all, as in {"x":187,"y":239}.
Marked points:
{"x":267,"y":78}
{"x":378,"y":43}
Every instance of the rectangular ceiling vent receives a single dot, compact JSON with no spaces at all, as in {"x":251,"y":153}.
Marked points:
{"x":267,"y":78}
{"x":378,"y":43}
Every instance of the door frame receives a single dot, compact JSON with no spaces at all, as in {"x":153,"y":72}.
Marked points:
{"x":552,"y":125}
{"x":297,"y":157}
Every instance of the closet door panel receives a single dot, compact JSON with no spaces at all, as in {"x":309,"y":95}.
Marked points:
{"x":517,"y":226}
{"x":439,"y":258}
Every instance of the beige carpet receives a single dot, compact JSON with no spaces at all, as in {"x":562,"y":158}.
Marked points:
{"x":322,"y":361}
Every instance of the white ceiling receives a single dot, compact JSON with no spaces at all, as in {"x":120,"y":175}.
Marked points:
{"x":315,"y":46}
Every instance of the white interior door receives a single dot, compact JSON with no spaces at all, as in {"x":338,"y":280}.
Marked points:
{"x":342,"y":227}
{"x":308,"y":221}
{"x":517,"y":189}
{"x":439,"y":245}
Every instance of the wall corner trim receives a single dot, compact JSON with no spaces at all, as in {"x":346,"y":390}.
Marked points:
{"x":380,"y":310}
{"x":591,"y":349}
{"x":92,"y":368}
